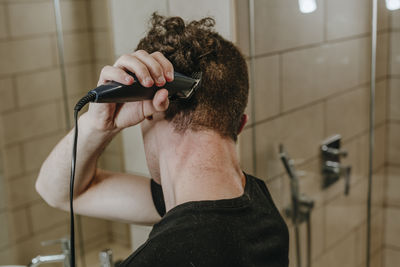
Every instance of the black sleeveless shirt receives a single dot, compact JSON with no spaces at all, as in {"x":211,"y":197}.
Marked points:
{"x":243,"y":231}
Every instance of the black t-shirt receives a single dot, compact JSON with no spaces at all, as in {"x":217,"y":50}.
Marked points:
{"x":243,"y":231}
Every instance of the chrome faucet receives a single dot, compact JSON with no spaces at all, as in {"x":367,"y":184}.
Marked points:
{"x":300,"y":209}
{"x":332,"y":169}
{"x":63,"y":257}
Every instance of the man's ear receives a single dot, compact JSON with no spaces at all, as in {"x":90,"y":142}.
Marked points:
{"x":243,"y":122}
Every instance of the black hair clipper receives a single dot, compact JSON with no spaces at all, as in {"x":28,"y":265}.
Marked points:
{"x":182,"y":87}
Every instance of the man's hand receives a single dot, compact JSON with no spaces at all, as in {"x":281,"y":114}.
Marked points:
{"x":150,"y":69}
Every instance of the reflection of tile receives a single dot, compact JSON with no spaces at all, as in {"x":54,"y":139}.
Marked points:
{"x":246,"y":150}
{"x":280,"y":25}
{"x":394,"y":102}
{"x":393,"y":185}
{"x":380,"y":102}
{"x":74,"y":15}
{"x":345,"y":213}
{"x":19,"y":227}
{"x":347,"y":18}
{"x":382,"y":47}
{"x":242,"y":26}
{"x":395,"y":53}
{"x":17,"y":56}
{"x":395,"y":19}
{"x":266,"y":87}
{"x":6,"y":95}
{"x":12,"y":161}
{"x":30,"y":122}
{"x":77,"y":47}
{"x":391,"y":257}
{"x":18,"y":197}
{"x":37,"y":150}
{"x":315,"y":73}
{"x":379,"y":147}
{"x":347,"y":114}
{"x":100,"y":16}
{"x":392,"y":227}
{"x":394,"y":141}
{"x":40,"y":18}
{"x":300,"y":132}
{"x":342,"y":254}
{"x":43,"y":216}
{"x":3,"y":29}
{"x":38,"y":87}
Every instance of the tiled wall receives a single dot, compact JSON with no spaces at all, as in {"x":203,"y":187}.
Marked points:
{"x":311,"y":81}
{"x":32,"y":117}
{"x":392,"y":200}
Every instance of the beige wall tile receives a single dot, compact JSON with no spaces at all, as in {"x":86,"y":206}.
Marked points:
{"x":39,"y":87}
{"x":379,"y":147}
{"x":31,"y":122}
{"x":13,"y":161}
{"x":300,"y":142}
{"x":380,"y":101}
{"x":345,"y":213}
{"x":74,"y":15}
{"x":347,"y":18}
{"x":100,"y":16}
{"x":392,"y":227}
{"x":93,"y":228}
{"x":36,"y":151}
{"x":395,"y":53}
{"x":383,"y":15}
{"x":394,"y":99}
{"x":7,"y":100}
{"x":4,"y":234}
{"x":79,"y":79}
{"x":382,"y":47}
{"x":342,"y":254}
{"x":40,"y":18}
{"x":3,"y":199}
{"x":25,"y":55}
{"x":18,"y":224}
{"x":280,"y":25}
{"x":347,"y":114}
{"x":77,"y":47}
{"x":376,"y":259}
{"x":246,"y":150}
{"x":357,"y":157}
{"x":242,"y":26}
{"x":315,"y":73}
{"x":112,"y":162}
{"x":103,"y":46}
{"x":22,"y":190}
{"x":391,"y":257}
{"x":393,"y":185}
{"x":395,"y":19}
{"x":378,"y":191}
{"x":7,"y":255}
{"x":376,"y":238}
{"x":3,"y":29}
{"x":394,"y":143}
{"x":266,"y":87}
{"x":43,"y":216}
{"x":275,"y":187}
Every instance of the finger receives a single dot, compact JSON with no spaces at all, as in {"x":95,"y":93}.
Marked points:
{"x":110,"y":73}
{"x":160,"y":100}
{"x":166,"y":65}
{"x":133,"y":64}
{"x":153,"y":66}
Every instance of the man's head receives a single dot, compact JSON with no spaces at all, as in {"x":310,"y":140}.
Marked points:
{"x":219,"y":103}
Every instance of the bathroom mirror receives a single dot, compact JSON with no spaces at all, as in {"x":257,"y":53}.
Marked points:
{"x":310,"y":78}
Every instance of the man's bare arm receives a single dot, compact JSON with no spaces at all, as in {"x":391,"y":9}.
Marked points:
{"x":100,"y":193}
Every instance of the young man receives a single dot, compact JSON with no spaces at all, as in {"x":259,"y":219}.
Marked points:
{"x":205,"y":210}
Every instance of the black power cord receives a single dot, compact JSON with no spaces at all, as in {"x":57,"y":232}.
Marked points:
{"x":81,"y":103}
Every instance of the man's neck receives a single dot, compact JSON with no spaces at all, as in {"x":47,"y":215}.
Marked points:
{"x":200,"y":166}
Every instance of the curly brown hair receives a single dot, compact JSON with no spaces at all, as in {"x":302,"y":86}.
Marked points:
{"x":195,"y":46}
